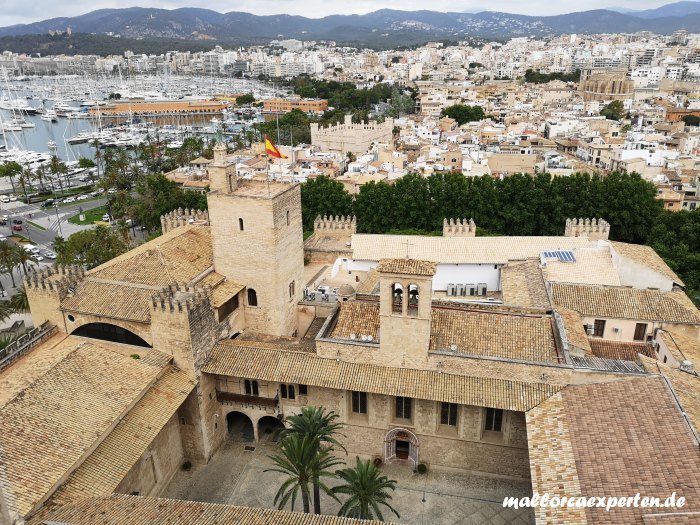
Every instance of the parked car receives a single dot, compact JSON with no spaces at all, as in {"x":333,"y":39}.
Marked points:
{"x":82,"y":197}
{"x":3,"y":222}
{"x":2,"y":238}
{"x":49,"y":254}
{"x":35,"y":250}
{"x":13,"y":198}
{"x":17,"y":227}
{"x":37,"y":257}
{"x":106,"y":217}
{"x":16,"y":221}
{"x":69,"y":199}
{"x":112,"y":190}
{"x":4,"y":198}
{"x":47,"y":203}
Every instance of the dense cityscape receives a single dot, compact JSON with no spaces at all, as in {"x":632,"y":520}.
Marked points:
{"x":288,"y":280}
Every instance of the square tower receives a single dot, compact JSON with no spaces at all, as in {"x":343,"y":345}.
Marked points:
{"x":258,"y":241}
{"x":405,"y":288}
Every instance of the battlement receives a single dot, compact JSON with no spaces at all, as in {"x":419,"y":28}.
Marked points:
{"x":180,"y":297}
{"x":338,"y":225}
{"x":60,"y":279}
{"x":594,"y":229}
{"x":180,"y":217}
{"x":458,"y":228}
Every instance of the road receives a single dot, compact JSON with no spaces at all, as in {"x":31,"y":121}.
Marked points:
{"x":46,"y":217}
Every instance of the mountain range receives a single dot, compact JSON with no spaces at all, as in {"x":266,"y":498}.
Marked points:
{"x":385,"y":25}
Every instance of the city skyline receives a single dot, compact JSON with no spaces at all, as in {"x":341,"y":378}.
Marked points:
{"x":19,"y":12}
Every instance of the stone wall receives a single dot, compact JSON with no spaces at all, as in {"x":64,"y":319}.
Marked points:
{"x":335,"y":226}
{"x":349,"y":137}
{"x":156,"y":467}
{"x":180,"y":217}
{"x":47,"y":288}
{"x":594,"y":229}
{"x":458,"y":228}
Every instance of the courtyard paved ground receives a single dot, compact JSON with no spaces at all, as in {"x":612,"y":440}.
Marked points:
{"x":236,"y":476}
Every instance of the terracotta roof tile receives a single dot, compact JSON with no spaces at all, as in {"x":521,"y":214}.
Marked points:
{"x":620,"y":350}
{"x":406,"y":266}
{"x":626,"y":303}
{"x":645,"y":256}
{"x":119,"y":509}
{"x":357,"y":317}
{"x":111,"y":300}
{"x":296,"y":367}
{"x":522,"y":284}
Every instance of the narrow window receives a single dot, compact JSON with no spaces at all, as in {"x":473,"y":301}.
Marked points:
{"x":252,"y":297}
{"x":640,"y":332}
{"x":248,"y":389}
{"x":288,"y":221}
{"x":403,"y":407}
{"x":303,"y":391}
{"x":290,"y":389}
{"x":255,"y":388}
{"x":283,"y":391}
{"x":359,"y":402}
{"x":448,"y":414}
{"x":240,"y":224}
{"x":494,"y":418}
{"x":599,"y":327}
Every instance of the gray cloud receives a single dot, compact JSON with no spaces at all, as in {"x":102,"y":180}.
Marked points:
{"x":23,"y":11}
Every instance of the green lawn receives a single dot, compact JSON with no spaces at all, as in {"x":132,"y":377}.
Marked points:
{"x":37,"y":226}
{"x":91,"y":216}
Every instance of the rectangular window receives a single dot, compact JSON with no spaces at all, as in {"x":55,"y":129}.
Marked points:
{"x":494,"y":418}
{"x":283,"y":391}
{"x":640,"y":332}
{"x":290,"y":390}
{"x":599,"y":327}
{"x":359,"y":402}
{"x":448,"y":414}
{"x":303,"y":391}
{"x":403,"y":407}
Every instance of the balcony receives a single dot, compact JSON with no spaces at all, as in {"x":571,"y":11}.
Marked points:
{"x":246,"y":401}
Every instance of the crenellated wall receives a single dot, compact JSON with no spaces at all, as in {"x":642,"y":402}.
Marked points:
{"x":46,"y":289}
{"x":458,"y":228}
{"x":594,"y":229}
{"x":180,"y":217}
{"x":336,"y":226}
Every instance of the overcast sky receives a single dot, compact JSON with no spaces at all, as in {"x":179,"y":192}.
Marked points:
{"x":25,"y":11}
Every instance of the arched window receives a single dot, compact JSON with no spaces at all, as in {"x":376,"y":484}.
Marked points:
{"x":397,"y":298}
{"x":413,"y":294}
{"x":240,"y":224}
{"x":252,"y":297}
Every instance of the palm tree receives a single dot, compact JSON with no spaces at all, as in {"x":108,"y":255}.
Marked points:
{"x":22,"y":257}
{"x":301,"y":459}
{"x":5,"y":310}
{"x":367,"y":491}
{"x":316,"y":423}
{"x":11,"y":170}
{"x":8,"y":260}
{"x":6,"y":340}
{"x":19,"y":302}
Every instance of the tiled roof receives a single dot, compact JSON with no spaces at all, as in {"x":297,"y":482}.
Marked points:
{"x":494,"y":334}
{"x":111,"y":300}
{"x":458,"y":250}
{"x":685,"y":385}
{"x":119,"y":509}
{"x":575,"y":333}
{"x":176,"y":256}
{"x":106,"y":467}
{"x":552,"y":461}
{"x":620,"y":350}
{"x":224,"y":291}
{"x":522,"y":284}
{"x":297,"y":367}
{"x":630,"y":437}
{"x":645,"y":256}
{"x":48,"y":426}
{"x":592,"y":266}
{"x":407,"y":266}
{"x":357,"y":317}
{"x":370,"y":283}
{"x":626,"y":303}
{"x":680,"y":345}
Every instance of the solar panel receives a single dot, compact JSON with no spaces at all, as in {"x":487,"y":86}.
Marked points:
{"x":562,"y":255}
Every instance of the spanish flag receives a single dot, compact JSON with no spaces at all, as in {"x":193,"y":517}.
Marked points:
{"x":272,"y":150}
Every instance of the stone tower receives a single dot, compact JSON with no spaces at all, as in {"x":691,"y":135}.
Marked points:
{"x":404,"y":310}
{"x":257,"y":239}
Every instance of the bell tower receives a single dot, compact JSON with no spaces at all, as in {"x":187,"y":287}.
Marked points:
{"x":257,"y":240}
{"x":405,"y":288}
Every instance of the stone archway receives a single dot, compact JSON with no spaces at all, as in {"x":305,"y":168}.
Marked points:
{"x":110,"y":332}
{"x":240,"y":427}
{"x":269,"y":428}
{"x":400,"y":444}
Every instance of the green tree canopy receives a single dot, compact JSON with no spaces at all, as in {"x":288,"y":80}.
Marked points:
{"x":90,"y":247}
{"x":248,"y":98}
{"x":691,"y":120}
{"x":615,"y":110}
{"x":323,"y":196}
{"x":463,"y":114}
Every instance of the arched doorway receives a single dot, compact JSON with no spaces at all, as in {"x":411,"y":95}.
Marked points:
{"x":269,"y":428}
{"x":401,"y":444}
{"x":240,"y":427}
{"x":110,"y":332}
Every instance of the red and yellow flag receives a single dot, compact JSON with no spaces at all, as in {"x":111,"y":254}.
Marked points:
{"x":272,"y":150}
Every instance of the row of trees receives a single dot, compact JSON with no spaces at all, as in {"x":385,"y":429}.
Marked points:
{"x":306,"y":457}
{"x":535,"y":77}
{"x":517,"y":205}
